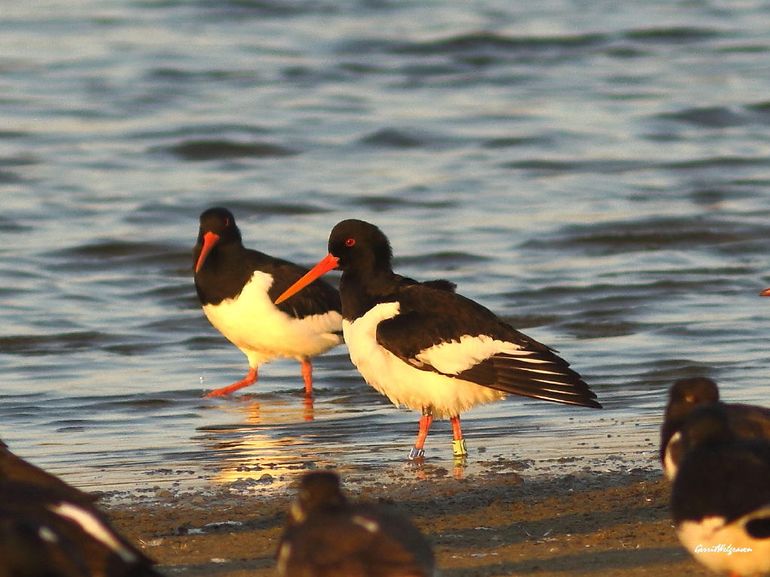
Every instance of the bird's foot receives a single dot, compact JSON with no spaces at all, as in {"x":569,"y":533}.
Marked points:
{"x":249,"y":379}
{"x":416,"y":454}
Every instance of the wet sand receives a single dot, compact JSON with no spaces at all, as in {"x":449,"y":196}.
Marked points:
{"x":495,"y":523}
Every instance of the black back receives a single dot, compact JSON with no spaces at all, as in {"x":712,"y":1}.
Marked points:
{"x":720,"y":474}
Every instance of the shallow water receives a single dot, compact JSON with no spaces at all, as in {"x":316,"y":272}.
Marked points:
{"x":597,"y":173}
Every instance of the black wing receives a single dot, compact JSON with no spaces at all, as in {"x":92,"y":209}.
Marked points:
{"x":430,"y":317}
{"x":318,"y":297}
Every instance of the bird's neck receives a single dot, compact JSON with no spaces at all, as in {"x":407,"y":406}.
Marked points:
{"x":361,"y":290}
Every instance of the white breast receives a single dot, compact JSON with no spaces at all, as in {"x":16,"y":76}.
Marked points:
{"x":263,"y":332}
{"x":726,"y":548}
{"x":670,"y":468}
{"x":402,"y":383}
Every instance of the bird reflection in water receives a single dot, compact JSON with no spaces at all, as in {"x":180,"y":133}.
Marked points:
{"x":259,"y":449}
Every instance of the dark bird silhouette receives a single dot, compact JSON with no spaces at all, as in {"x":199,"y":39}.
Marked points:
{"x":51,"y":529}
{"x":326,"y":536}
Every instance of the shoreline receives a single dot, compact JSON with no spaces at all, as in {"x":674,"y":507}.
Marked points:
{"x":496,"y":523}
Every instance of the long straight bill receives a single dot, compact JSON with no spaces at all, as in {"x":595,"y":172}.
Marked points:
{"x":210,"y":239}
{"x":326,"y":264}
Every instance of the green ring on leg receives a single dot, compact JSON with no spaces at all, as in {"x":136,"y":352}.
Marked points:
{"x":458,"y":448}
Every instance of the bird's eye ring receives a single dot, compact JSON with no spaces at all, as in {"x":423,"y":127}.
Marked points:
{"x":350,"y":242}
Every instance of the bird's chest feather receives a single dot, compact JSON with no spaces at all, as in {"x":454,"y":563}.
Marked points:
{"x":237,"y":317}
{"x":361,"y":338}
{"x":262,"y":331}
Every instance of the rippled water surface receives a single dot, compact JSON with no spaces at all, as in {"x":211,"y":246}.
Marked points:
{"x":596,"y":172}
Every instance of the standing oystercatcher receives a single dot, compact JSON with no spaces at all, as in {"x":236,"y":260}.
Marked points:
{"x":326,"y":536}
{"x":428,"y":348}
{"x":237,"y":287}
{"x":720,"y":499}
{"x":686,"y":398}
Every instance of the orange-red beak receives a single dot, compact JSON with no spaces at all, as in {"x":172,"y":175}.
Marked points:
{"x":765,"y":293}
{"x":209,"y":241}
{"x":326,"y":264}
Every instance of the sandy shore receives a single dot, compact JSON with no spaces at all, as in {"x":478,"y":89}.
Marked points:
{"x":496,"y":523}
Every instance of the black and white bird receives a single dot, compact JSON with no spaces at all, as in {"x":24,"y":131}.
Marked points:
{"x":326,"y":536}
{"x":427,"y":348}
{"x":720,"y":498}
{"x":237,"y":286}
{"x":51,"y":529}
{"x":685,"y":397}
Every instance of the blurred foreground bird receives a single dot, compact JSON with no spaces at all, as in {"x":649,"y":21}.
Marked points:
{"x":50,"y":529}
{"x":326,"y":536}
{"x":720,"y":498}
{"x":685,"y":398}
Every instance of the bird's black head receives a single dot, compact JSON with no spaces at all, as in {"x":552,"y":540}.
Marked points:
{"x":360,"y":249}
{"x":317,"y":491}
{"x":706,"y":425}
{"x":217,"y":228}
{"x":688,"y":394}
{"x":221,"y":222}
{"x":359,"y":245}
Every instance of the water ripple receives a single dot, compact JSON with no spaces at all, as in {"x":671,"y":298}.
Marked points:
{"x":203,"y":150}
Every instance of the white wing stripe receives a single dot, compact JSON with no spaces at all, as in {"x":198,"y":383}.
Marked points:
{"x":94,"y":527}
{"x":456,"y":356}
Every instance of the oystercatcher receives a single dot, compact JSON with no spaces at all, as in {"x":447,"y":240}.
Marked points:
{"x":428,"y":348}
{"x":48,"y":527}
{"x":326,"y":536}
{"x":720,"y":499}
{"x":236,"y":287}
{"x":685,"y":397}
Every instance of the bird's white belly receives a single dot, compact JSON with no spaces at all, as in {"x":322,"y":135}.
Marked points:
{"x":263,"y":332}
{"x":402,"y":383}
{"x":670,"y":468}
{"x":725,"y":548}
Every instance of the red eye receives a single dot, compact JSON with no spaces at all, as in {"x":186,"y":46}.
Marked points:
{"x":350,"y":242}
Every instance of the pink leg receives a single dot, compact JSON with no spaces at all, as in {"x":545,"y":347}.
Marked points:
{"x":249,"y":379}
{"x":418,"y":450}
{"x":307,"y":376}
{"x":458,"y":442}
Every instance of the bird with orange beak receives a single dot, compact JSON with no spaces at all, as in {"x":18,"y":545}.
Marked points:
{"x":428,"y":348}
{"x":237,"y":286}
